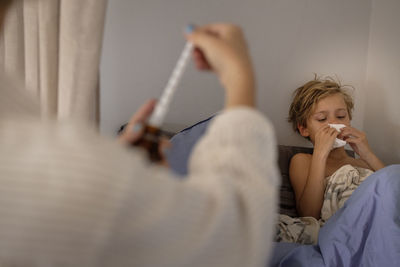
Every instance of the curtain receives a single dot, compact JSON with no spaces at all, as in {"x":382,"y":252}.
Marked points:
{"x":54,"y":46}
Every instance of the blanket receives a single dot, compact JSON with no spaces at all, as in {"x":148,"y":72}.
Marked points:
{"x":340,"y":186}
{"x":364,"y":232}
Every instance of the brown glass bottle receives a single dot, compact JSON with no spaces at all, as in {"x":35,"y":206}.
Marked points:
{"x":150,"y":141}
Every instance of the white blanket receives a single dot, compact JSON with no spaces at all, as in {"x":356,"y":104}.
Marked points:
{"x":340,"y":186}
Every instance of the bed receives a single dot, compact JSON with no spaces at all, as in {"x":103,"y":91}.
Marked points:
{"x":364,"y":232}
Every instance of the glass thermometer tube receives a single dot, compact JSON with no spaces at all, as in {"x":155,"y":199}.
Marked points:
{"x":150,"y":140}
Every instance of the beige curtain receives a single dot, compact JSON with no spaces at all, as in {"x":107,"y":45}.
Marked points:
{"x":55,"y":47}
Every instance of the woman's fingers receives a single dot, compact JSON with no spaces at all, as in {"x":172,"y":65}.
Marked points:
{"x":134,"y":129}
{"x":222,"y":48}
{"x":143,"y":112}
{"x":200,"y":60}
{"x":222,"y":30}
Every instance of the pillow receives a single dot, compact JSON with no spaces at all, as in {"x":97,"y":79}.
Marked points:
{"x":182,"y":145}
{"x":287,"y":199}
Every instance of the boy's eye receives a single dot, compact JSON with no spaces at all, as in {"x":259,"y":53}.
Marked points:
{"x":341,"y":117}
{"x":321,"y":120}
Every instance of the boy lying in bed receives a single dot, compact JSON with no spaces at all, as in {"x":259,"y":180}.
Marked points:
{"x":321,"y":111}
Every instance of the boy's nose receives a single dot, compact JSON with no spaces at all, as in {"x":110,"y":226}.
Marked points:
{"x":333,"y":121}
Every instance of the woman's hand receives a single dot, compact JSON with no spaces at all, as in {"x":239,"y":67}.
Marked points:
{"x":324,"y":140}
{"x":223,"y":49}
{"x":134,"y":129}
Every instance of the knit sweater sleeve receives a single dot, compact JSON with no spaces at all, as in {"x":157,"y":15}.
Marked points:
{"x":237,"y":160}
{"x":69,"y":197}
{"x":223,"y":213}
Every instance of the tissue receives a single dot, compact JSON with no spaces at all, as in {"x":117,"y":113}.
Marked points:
{"x":338,"y":142}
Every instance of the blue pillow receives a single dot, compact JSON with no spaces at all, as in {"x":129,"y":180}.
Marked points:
{"x":182,"y":145}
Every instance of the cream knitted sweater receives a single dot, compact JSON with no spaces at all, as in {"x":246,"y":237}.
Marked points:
{"x":69,"y":197}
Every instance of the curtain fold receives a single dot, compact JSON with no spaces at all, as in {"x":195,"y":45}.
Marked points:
{"x":31,"y":44}
{"x":14,"y":54}
{"x":54,"y":46}
{"x":49,"y":53}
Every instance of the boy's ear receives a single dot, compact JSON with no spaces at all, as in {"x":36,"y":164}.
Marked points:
{"x":303,"y":130}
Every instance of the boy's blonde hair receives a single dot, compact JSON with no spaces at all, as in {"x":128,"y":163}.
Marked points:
{"x":307,"y":96}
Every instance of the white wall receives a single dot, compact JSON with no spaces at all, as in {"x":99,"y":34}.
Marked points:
{"x":289,"y":41}
{"x":382,"y":116}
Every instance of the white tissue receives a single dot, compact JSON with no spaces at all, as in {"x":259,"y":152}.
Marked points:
{"x":338,"y":142}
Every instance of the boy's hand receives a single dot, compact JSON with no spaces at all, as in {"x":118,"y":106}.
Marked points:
{"x":357,"y":140}
{"x":324,"y":140}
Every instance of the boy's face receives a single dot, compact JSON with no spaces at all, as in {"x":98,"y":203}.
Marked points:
{"x":329,"y":110}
